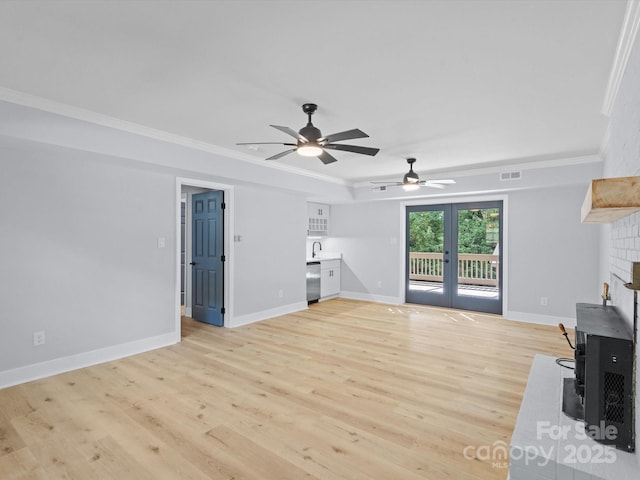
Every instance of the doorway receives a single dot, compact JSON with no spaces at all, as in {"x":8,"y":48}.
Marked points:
{"x":454,"y":255}
{"x":190,"y":281}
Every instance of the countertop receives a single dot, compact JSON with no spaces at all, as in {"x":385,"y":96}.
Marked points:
{"x":327,"y":256}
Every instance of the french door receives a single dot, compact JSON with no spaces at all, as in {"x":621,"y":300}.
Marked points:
{"x":454,"y":256}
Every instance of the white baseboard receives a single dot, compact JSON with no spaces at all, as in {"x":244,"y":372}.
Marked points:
{"x":540,"y":319}
{"x":515,"y":316}
{"x":265,"y":314}
{"x":37,"y":371}
{"x":328,"y":297}
{"x":370,"y":297}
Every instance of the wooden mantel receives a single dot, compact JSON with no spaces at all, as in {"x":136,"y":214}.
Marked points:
{"x":609,"y":199}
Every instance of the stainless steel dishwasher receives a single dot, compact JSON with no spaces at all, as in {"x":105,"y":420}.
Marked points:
{"x":313,"y":282}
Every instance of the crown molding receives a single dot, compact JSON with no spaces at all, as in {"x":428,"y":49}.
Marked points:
{"x":81,"y":114}
{"x":484,"y":169}
{"x":628,"y":33}
{"x":604,"y":145}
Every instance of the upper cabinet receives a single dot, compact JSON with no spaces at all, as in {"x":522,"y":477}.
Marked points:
{"x":609,"y":199}
{"x":318,"y":220}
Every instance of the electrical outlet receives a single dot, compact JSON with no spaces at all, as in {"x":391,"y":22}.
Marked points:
{"x":379,"y":284}
{"x":38,"y":338}
{"x":280,"y":293}
{"x":544,"y":301}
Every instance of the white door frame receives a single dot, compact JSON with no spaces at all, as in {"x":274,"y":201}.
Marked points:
{"x":228,"y":245}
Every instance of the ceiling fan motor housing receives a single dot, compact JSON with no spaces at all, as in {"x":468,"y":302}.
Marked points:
{"x":411,"y":176}
{"x":310,"y":132}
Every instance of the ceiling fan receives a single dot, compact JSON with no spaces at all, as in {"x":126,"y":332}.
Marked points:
{"x":311,"y":143}
{"x":411,"y":181}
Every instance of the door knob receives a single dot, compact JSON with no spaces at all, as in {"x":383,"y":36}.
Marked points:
{"x":446,"y":260}
{"x":192,"y":263}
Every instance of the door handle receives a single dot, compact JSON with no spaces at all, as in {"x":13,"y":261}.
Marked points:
{"x":446,"y":260}
{"x":192,"y":263}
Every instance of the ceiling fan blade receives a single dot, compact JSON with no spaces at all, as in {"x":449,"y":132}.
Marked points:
{"x":346,"y":135}
{"x":326,"y":158}
{"x":281,"y":154}
{"x":290,"y":131}
{"x":352,"y":148}
{"x":266,"y":143}
{"x":388,"y":184}
{"x":432,"y":185}
{"x":443,"y":182}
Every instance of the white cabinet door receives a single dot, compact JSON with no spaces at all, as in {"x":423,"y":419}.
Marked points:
{"x":318,"y":220}
{"x":319,"y":210}
{"x":329,"y":278}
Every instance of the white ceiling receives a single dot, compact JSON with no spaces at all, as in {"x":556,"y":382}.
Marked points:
{"x":456,"y":84}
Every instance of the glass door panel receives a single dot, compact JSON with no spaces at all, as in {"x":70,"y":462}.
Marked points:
{"x":426,"y":262}
{"x":478,"y":251}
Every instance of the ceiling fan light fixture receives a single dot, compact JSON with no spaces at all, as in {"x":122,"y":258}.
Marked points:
{"x":408,"y":187}
{"x":309,"y":150}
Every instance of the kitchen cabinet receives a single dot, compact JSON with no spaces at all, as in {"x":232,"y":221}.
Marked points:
{"x":329,"y":278}
{"x":319,"y":214}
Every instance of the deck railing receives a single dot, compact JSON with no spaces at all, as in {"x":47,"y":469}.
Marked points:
{"x":473,"y":269}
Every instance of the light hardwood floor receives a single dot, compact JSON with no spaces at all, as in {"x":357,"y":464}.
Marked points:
{"x":345,"y":390}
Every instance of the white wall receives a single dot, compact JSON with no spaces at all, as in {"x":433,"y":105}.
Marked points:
{"x":79,"y":253}
{"x":549,"y":252}
{"x":270,"y":268}
{"x":80,"y":258}
{"x":367,"y":234}
{"x":621,"y":239}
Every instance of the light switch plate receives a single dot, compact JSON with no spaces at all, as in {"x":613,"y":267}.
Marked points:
{"x":38,"y":338}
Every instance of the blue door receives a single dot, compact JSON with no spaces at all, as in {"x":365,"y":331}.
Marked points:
{"x":208,"y":257}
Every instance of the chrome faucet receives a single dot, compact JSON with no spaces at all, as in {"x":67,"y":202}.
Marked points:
{"x":313,"y":249}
